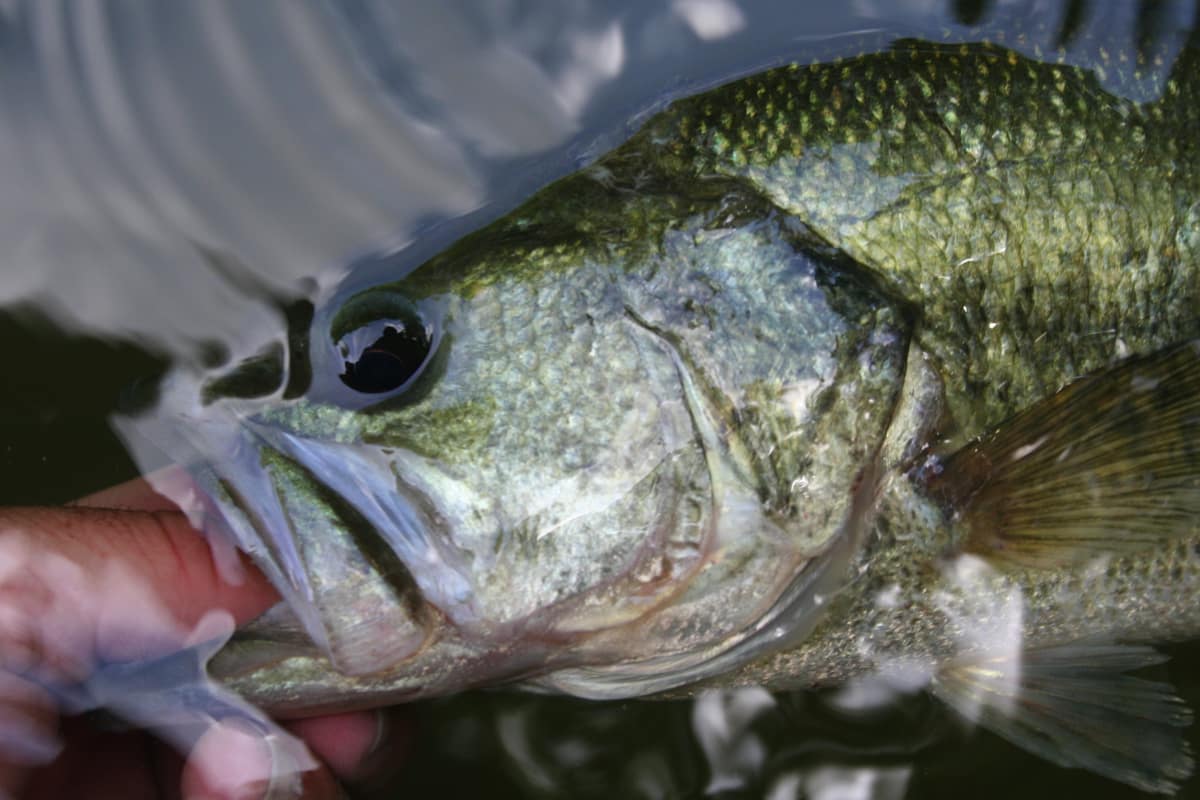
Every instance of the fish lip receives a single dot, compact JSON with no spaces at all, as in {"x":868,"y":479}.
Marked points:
{"x":397,"y":513}
{"x":223,"y":444}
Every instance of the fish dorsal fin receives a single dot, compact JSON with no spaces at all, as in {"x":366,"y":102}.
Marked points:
{"x":1073,"y":705}
{"x":1109,"y":464}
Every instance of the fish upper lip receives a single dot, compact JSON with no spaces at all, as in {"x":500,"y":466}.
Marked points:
{"x":318,"y":586}
{"x":365,"y":477}
{"x":360,"y":475}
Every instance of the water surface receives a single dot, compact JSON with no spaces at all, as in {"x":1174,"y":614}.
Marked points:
{"x":174,"y":175}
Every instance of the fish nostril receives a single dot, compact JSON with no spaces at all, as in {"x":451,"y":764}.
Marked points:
{"x":259,"y":375}
{"x":299,"y":316}
{"x":265,"y":372}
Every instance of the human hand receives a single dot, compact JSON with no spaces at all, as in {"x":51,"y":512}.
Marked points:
{"x":121,"y":577}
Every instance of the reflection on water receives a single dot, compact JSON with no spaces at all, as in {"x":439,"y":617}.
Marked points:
{"x":172,"y":173}
{"x":167,"y":166}
{"x":801,"y":745}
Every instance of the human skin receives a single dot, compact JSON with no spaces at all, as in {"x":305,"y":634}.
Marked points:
{"x":132,"y":532}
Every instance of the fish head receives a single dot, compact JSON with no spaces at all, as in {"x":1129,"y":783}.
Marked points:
{"x":613,"y":443}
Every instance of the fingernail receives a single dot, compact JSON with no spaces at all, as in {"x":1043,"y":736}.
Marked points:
{"x":287,"y":771}
{"x":386,"y":755}
{"x":382,"y":728}
{"x":232,"y":762}
{"x":229,"y":763}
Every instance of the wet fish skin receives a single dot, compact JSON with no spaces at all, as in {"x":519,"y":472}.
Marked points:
{"x":975,"y":230}
{"x":1035,"y":218}
{"x":916,"y":202}
{"x":1044,"y":231}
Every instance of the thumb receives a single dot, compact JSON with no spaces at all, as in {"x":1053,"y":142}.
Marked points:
{"x":171,"y":561}
{"x":87,"y":593}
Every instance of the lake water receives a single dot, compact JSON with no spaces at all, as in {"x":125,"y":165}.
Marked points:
{"x":172,"y":173}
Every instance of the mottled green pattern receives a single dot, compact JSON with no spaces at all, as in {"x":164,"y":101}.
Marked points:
{"x":554,"y":386}
{"x":695,"y":375}
{"x":948,"y":169}
{"x":1041,"y":224}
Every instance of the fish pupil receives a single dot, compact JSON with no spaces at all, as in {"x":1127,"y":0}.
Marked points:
{"x":389,"y":361}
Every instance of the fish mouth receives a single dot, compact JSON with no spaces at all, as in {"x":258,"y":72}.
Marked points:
{"x":357,"y":551}
{"x":350,"y":597}
{"x":348,"y":546}
{"x":373,"y":579}
{"x":360,"y":542}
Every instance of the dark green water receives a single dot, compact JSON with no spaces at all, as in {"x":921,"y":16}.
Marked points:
{"x":95,"y":306}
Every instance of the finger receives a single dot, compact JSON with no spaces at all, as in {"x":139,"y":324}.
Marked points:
{"x":170,"y":558}
{"x":342,"y":741}
{"x":140,"y":494}
{"x":28,"y":731}
{"x":230,"y":761}
{"x":368,"y":750}
{"x":102,"y":765}
{"x":172,"y":489}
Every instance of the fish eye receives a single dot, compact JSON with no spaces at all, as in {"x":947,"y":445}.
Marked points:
{"x":388,"y":362}
{"x":382,"y":341}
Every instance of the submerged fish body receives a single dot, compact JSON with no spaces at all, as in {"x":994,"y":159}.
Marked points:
{"x":772,"y":394}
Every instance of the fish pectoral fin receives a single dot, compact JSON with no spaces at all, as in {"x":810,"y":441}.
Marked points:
{"x":1108,"y":465}
{"x":1075,"y":706}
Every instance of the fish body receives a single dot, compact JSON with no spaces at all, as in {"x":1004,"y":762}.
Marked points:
{"x":837,"y":370}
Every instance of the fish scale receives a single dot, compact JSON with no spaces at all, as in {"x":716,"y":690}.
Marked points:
{"x":882,"y":364}
{"x":884,"y":178}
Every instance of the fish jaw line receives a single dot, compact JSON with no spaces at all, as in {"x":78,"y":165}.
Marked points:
{"x":352,"y":550}
{"x":739,"y":530}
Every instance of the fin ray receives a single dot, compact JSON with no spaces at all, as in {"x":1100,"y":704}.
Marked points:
{"x":1075,"y":706}
{"x":1109,"y":464}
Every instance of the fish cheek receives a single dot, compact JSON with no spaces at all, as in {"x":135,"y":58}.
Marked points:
{"x":790,"y":363}
{"x":591,"y":459}
{"x":549,"y":447}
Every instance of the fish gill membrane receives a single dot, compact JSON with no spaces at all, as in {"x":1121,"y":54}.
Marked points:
{"x":885,"y":367}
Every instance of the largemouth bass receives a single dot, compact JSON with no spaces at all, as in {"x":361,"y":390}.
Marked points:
{"x":888,"y":364}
